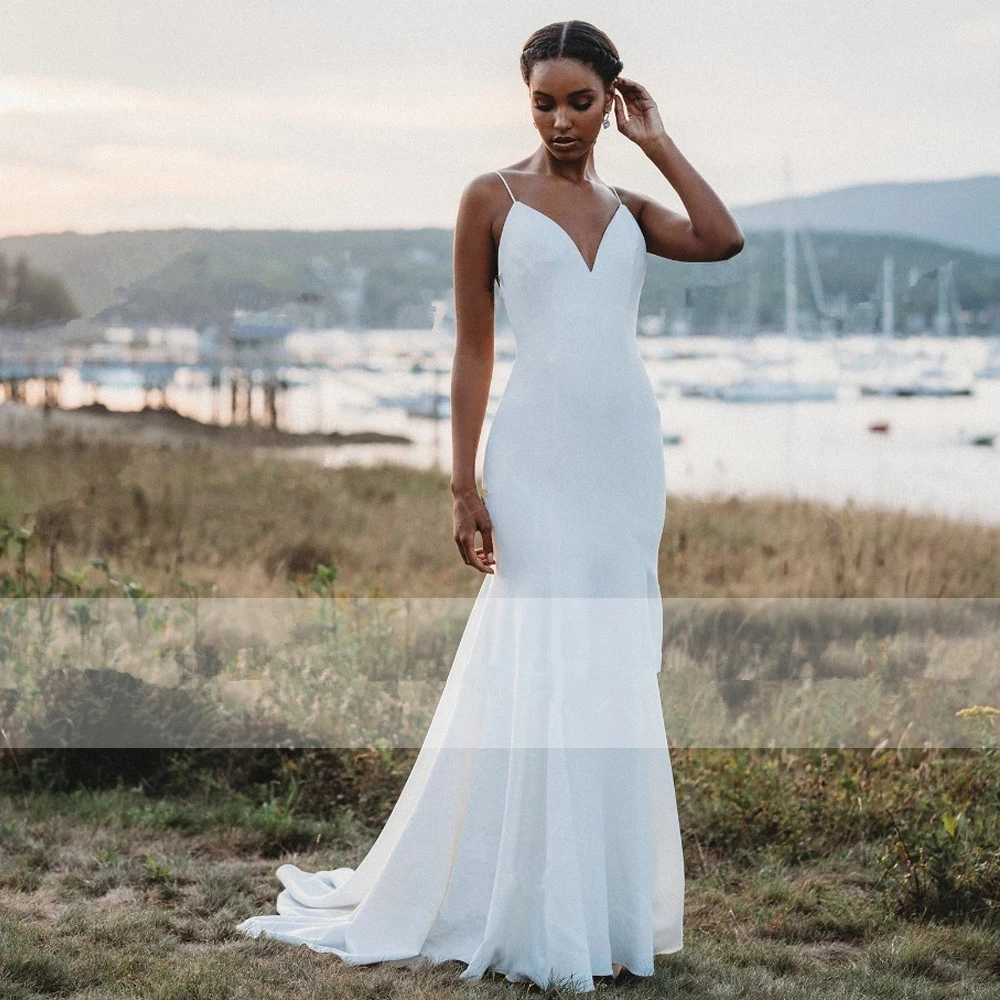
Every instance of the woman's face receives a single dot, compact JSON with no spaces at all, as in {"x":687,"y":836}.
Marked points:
{"x":567,"y":99}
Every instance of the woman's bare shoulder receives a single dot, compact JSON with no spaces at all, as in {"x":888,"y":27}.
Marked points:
{"x":485,"y":185}
{"x":484,"y":203}
{"x":632,"y":200}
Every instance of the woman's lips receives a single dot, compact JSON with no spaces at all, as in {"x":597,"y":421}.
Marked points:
{"x":564,"y":142}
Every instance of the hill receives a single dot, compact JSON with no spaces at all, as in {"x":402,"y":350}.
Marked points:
{"x":960,"y":213}
{"x":390,"y":277}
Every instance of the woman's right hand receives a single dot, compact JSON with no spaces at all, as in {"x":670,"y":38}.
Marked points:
{"x":470,"y":516}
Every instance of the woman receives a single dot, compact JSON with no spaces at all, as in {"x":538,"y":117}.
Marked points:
{"x":537,"y":835}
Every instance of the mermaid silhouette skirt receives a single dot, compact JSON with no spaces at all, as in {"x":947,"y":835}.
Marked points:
{"x":537,"y":834}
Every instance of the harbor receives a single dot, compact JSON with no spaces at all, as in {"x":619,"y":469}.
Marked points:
{"x":375,"y":396}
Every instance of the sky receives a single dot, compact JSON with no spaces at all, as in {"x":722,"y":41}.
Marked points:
{"x":133,"y":114}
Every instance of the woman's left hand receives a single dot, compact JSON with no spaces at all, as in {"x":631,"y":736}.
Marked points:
{"x":644,"y":123}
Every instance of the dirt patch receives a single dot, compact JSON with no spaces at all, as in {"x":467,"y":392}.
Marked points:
{"x":23,"y":424}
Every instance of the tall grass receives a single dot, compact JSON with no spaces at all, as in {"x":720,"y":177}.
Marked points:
{"x":223,"y":522}
{"x":890,"y":831}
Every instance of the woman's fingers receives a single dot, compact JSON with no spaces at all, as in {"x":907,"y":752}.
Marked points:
{"x":631,"y":84}
{"x":630,"y":100}
{"x":619,"y":102}
{"x":480,"y":561}
{"x":465,"y":538}
{"x":473,"y":556}
{"x":471,"y":516}
{"x":634,"y":93}
{"x":470,"y":557}
{"x":484,"y":556}
{"x":487,"y":534}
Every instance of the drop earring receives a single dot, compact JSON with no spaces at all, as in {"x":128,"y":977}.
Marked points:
{"x":607,"y":120}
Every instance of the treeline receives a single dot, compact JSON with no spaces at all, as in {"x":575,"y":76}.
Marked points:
{"x":30,"y":298}
{"x":391,"y":278}
{"x":371,"y":278}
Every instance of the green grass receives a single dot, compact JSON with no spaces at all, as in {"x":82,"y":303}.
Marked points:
{"x":810,"y":873}
{"x":105,"y":895}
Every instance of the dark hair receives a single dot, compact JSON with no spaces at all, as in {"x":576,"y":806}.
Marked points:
{"x":578,"y":40}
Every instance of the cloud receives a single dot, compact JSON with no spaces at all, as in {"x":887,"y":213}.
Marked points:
{"x":148,"y":186}
{"x":50,"y":95}
{"x":983,"y":30}
{"x":317,"y":99}
{"x":319,"y":114}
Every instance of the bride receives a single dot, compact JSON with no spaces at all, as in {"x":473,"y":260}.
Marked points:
{"x":537,"y":834}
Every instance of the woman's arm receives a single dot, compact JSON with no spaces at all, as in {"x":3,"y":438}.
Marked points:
{"x":711,"y":232}
{"x":473,"y":266}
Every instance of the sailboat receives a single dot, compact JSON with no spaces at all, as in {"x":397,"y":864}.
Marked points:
{"x":762,"y":389}
{"x":931,"y":382}
{"x":991,"y":367}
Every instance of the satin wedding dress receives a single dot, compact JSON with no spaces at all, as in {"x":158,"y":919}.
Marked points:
{"x":537,"y":834}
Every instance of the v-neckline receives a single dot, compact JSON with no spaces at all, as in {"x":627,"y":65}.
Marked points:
{"x":579,"y":253}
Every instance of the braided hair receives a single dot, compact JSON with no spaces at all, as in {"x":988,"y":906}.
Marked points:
{"x":578,"y":40}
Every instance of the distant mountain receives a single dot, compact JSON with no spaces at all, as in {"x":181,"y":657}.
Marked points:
{"x":97,"y":268}
{"x":849,"y":266}
{"x":960,"y":213}
{"x":391,"y":277}
{"x":193,"y":277}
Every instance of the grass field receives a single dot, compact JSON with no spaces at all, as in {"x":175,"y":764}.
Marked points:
{"x":811,"y":872}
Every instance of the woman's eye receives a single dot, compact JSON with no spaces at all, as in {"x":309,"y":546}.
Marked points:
{"x":579,"y":107}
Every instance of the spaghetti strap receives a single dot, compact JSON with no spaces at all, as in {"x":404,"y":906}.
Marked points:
{"x":505,"y":184}
{"x":511,"y":193}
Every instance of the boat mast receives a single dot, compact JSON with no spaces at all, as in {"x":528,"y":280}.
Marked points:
{"x":791,"y":297}
{"x":812,"y":269}
{"x":888,"y":303}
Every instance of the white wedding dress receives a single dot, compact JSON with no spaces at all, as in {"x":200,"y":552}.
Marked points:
{"x":537,"y":833}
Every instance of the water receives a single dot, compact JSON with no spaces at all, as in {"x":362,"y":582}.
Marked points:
{"x":816,"y":450}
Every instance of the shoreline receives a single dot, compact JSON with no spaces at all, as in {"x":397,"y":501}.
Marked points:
{"x":22,"y":423}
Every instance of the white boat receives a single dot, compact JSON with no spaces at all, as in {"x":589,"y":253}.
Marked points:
{"x":432,"y":406}
{"x":767,"y":389}
{"x":916,"y":388}
{"x":991,"y":367}
{"x":257,"y":328}
{"x":429,"y":410}
{"x":699,"y":390}
{"x":978,"y":439}
{"x":933,"y":380}
{"x":141,"y":375}
{"x":764,"y":390}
